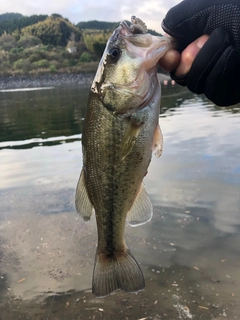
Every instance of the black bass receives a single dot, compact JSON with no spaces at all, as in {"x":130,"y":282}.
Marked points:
{"x":120,"y":132}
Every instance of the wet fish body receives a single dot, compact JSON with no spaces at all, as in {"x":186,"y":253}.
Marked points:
{"x":121,"y":130}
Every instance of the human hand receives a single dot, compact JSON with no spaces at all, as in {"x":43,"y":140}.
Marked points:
{"x":181,"y":63}
{"x":206,"y":65}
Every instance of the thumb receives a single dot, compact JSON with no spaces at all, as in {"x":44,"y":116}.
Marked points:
{"x":189,"y":54}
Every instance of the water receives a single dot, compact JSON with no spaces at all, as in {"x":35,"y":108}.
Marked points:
{"x":190,"y":250}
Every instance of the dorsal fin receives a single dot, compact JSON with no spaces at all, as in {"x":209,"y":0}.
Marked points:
{"x":138,"y":26}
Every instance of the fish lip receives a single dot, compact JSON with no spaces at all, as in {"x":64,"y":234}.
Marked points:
{"x":124,"y":29}
{"x":120,"y":35}
{"x":114,"y":37}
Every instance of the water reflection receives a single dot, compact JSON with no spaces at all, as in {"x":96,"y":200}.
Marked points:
{"x":188,"y":252}
{"x":37,"y":117}
{"x":41,"y":114}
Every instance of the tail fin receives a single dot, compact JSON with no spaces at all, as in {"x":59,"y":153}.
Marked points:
{"x":120,"y":272}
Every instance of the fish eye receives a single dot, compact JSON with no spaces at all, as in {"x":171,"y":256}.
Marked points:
{"x":114,"y":53}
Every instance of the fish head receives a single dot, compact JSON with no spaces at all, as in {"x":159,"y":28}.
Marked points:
{"x":126,"y":77}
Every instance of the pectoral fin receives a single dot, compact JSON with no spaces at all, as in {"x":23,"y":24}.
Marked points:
{"x":141,"y":211}
{"x":128,"y":141}
{"x":157,"y":142}
{"x":131,"y":133}
{"x":82,"y":202}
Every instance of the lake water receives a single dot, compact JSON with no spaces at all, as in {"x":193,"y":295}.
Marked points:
{"x":189,"y":252}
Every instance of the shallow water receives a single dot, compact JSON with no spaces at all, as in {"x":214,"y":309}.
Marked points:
{"x":189,"y":252}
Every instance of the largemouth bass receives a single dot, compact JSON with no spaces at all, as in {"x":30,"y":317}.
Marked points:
{"x":120,"y":132}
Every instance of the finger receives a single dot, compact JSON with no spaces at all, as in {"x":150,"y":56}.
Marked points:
{"x":170,"y":60}
{"x":206,"y":60}
{"x":223,"y":79}
{"x":188,"y":55}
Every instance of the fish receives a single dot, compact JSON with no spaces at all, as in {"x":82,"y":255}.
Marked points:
{"x":120,"y":133}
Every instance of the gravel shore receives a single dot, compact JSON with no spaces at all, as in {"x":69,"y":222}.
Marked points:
{"x":50,"y":80}
{"x":44,"y":80}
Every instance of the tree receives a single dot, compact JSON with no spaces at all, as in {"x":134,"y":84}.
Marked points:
{"x":10,"y":16}
{"x":10,"y":26}
{"x":28,"y":41}
{"x":7,"y":42}
{"x":54,"y":30}
{"x":85,"y":57}
{"x":96,"y":41}
{"x":98,"y":25}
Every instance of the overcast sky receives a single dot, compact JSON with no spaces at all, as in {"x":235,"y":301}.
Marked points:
{"x":150,"y":11}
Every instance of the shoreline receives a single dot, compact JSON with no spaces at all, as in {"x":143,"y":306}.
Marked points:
{"x":52,"y":80}
{"x":44,"y":80}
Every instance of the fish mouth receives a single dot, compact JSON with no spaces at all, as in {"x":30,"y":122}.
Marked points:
{"x":122,"y":32}
{"x":134,"y":34}
{"x":136,"y":27}
{"x":137,"y":43}
{"x":124,"y":29}
{"x":135,"y":79}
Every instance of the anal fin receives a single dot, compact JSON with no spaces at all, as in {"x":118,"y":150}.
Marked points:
{"x":141,"y":211}
{"x":82,"y":202}
{"x":157,"y":142}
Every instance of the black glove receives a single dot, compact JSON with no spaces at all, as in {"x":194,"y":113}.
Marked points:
{"x":216,"y":68}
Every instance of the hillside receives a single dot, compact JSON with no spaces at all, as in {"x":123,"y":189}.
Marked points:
{"x":54,"y":30}
{"x":97,"y":25}
{"x":103,"y":25}
{"x":9,"y":25}
{"x":10,"y":16}
{"x":42,"y":43}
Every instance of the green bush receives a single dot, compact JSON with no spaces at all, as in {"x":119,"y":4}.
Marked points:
{"x":18,"y":64}
{"x":81,"y":47}
{"x":56,"y":56}
{"x":36,"y":56}
{"x":52,"y":68}
{"x":7,"y":42}
{"x":72,"y":62}
{"x":15,"y":50}
{"x":23,"y":64}
{"x":65,"y":63}
{"x":14,"y":57}
{"x":48,"y":47}
{"x":66,"y":55}
{"x":26,"y":53}
{"x":42,"y":63}
{"x":28,"y":41}
{"x":85,"y":57}
{"x":5,"y":66}
{"x":55,"y":63}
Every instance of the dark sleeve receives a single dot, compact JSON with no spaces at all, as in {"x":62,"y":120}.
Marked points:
{"x":215,"y":69}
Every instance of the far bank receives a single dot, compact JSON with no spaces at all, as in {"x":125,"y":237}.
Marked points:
{"x":52,"y":80}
